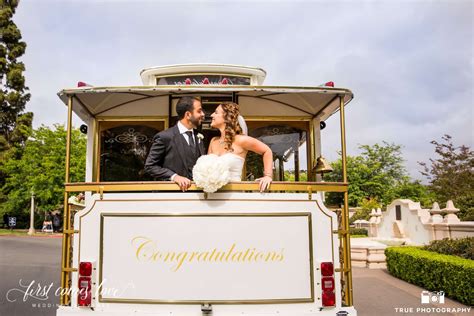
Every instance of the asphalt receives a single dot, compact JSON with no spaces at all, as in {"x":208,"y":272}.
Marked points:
{"x":23,"y":260}
{"x":34,"y":259}
{"x":377,"y":293}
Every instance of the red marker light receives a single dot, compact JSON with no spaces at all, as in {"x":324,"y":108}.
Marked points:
{"x":329,"y":299}
{"x":85,"y":268}
{"x":327,"y":268}
{"x":329,"y":84}
{"x":187,"y":81}
{"x":205,"y":81}
{"x":82,"y":84}
{"x":225,"y":81}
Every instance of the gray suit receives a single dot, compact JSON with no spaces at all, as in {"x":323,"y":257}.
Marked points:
{"x":170,"y":154}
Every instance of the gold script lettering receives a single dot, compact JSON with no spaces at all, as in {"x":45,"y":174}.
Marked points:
{"x":147,"y":250}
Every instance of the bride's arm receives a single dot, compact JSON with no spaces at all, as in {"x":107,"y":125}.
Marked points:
{"x":253,"y":144}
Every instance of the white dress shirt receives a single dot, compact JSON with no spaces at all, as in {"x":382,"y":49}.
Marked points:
{"x":182,"y":130}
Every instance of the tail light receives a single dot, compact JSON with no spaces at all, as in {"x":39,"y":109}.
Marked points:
{"x":327,"y":269}
{"x":84,"y":295}
{"x":329,"y":299}
{"x":328,"y":284}
{"x":85,"y":269}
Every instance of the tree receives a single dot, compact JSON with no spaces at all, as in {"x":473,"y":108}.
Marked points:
{"x":415,"y":191}
{"x":376,"y":177}
{"x":374,"y":174}
{"x":367,"y":205}
{"x":20,"y":134}
{"x":41,"y":168}
{"x":451,"y":175}
{"x":289,"y":175}
{"x":13,"y":92}
{"x":15,"y":126}
{"x":356,"y":175}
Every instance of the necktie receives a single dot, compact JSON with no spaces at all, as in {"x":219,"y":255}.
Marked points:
{"x":191,"y":139}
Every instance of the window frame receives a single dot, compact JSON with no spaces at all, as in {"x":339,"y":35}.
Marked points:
{"x":101,"y":121}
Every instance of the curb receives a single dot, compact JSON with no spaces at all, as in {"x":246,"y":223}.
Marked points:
{"x":34,"y":236}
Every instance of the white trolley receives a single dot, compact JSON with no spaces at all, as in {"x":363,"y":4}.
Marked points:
{"x":141,"y":247}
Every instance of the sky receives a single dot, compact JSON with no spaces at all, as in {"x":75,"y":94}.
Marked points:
{"x":409,"y":63}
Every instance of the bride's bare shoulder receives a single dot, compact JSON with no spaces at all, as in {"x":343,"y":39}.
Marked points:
{"x":242,"y":139}
{"x":212,"y":145}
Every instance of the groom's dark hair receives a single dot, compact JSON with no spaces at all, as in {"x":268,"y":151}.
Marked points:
{"x":184,"y":105}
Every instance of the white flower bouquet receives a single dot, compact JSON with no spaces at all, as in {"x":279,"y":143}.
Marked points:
{"x":211,"y":173}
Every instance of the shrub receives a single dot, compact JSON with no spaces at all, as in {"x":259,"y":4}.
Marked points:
{"x":433,"y":271}
{"x":463,"y":247}
{"x":359,"y":231}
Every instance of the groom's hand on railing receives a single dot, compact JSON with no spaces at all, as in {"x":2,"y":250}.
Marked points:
{"x":183,"y":182}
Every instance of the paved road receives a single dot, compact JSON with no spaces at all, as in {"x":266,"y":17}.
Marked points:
{"x":38,"y":259}
{"x":27,"y":259}
{"x":377,"y":293}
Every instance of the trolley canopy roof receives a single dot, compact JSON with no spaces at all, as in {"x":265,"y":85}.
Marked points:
{"x":90,"y":102}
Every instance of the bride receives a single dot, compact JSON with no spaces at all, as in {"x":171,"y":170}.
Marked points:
{"x":233,"y":144}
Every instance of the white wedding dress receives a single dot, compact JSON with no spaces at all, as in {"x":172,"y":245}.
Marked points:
{"x":211,"y":172}
{"x":235,"y":164}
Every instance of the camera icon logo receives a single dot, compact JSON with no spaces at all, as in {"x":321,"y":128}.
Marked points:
{"x":428,"y":297}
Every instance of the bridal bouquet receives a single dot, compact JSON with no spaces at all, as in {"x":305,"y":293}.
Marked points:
{"x":211,"y":173}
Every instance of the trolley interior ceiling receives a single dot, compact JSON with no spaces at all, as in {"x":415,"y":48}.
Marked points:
{"x":310,"y":102}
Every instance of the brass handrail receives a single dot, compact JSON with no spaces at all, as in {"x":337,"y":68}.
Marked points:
{"x":276,"y":186}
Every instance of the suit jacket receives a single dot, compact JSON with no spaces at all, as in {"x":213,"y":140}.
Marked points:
{"x":167,"y":155}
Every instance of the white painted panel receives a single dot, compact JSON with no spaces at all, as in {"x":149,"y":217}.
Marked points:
{"x":206,"y":258}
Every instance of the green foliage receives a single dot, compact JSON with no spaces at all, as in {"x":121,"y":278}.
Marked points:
{"x":377,"y":173}
{"x":376,"y":177}
{"x":362,"y":214}
{"x":462,"y":247}
{"x":290,"y":175}
{"x":370,"y":204}
{"x":367,"y":205}
{"x":254,"y":166}
{"x":15,"y":126}
{"x":19,"y":135}
{"x":451,"y":176}
{"x":358,"y":231}
{"x":415,"y":191}
{"x":433,"y":271}
{"x":356,"y":175}
{"x":13,"y":93}
{"x":465,"y":203}
{"x":41,"y":168}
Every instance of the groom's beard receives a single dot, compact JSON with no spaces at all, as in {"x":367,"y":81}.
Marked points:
{"x":196,"y":122}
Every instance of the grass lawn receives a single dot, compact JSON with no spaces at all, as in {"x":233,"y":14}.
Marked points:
{"x":359,"y":236}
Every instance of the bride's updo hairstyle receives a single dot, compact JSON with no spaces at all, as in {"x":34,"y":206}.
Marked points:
{"x":232,"y":127}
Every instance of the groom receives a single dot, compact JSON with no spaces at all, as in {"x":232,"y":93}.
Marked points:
{"x":174,"y":151}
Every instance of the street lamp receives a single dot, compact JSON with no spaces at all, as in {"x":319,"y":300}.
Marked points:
{"x":31,"y":231}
